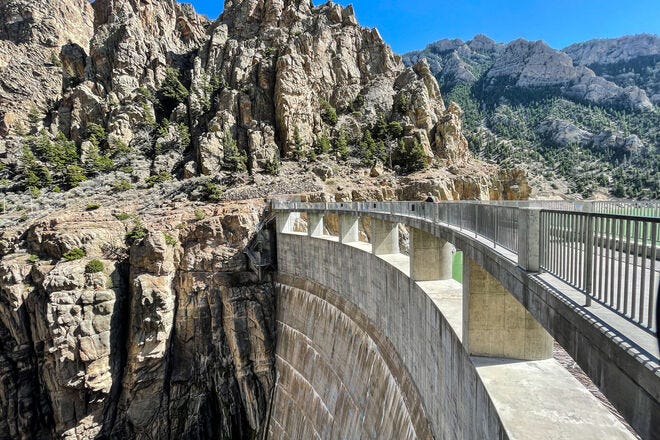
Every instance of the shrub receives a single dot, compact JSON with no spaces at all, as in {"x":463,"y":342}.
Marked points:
{"x":121,"y":185}
{"x":184,"y":135}
{"x":74,"y":176}
{"x":137,"y":234}
{"x":170,"y":241}
{"x":92,"y":206}
{"x":357,"y":103}
{"x":94,"y":266}
{"x":234,"y":158}
{"x":322,"y":145}
{"x":55,"y":59}
{"x":272,"y":167}
{"x":161,"y":177}
{"x":172,"y":88}
{"x":328,"y":113}
{"x":297,"y":152}
{"x":395,"y":130}
{"x":200,"y":214}
{"x":33,"y":259}
{"x":410,"y":159}
{"x":341,"y":146}
{"x":34,"y":115}
{"x":74,"y":254}
{"x":311,"y":155}
{"x":402,"y":103}
{"x":95,"y":133}
{"x":35,"y":192}
{"x":122,"y":216}
{"x":212,"y":192}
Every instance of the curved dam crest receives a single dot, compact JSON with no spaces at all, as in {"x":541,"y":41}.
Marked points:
{"x":411,"y":327}
{"x":373,"y":343}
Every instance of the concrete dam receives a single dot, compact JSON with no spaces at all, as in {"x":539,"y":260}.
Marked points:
{"x":375,"y":341}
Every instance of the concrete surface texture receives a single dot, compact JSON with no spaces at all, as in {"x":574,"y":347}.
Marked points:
{"x":619,"y":357}
{"x":417,"y":330}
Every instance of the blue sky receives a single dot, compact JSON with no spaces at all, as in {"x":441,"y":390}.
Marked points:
{"x":408,"y":25}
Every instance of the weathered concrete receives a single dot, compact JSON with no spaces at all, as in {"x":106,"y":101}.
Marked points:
{"x":430,"y":258}
{"x":349,"y":228}
{"x":314,"y":224}
{"x":497,"y":325}
{"x":384,"y":237}
{"x":451,"y":395}
{"x":337,"y":377}
{"x":629,"y":376}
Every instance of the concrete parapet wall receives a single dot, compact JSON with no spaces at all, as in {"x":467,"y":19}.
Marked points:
{"x":436,"y":378}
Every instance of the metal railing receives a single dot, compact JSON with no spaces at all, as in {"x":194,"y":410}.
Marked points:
{"x":609,"y":257}
{"x":612,"y":259}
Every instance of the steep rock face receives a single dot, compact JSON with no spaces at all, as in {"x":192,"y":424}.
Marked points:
{"x":615,"y":50}
{"x":282,"y":64}
{"x":32,"y":34}
{"x":626,"y":61}
{"x":535,"y":65}
{"x":456,"y":62}
{"x":173,"y":337}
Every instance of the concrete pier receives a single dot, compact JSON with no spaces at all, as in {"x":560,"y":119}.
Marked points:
{"x":495,"y":324}
{"x":314,"y":224}
{"x":431,"y":258}
{"x":349,"y":228}
{"x":384,"y":237}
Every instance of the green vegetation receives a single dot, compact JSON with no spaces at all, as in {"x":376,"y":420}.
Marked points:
{"x":200,"y":214}
{"x":170,"y":241}
{"x":516,"y":142}
{"x":235,"y":159}
{"x":272,"y":167}
{"x":122,"y":216}
{"x":323,"y":145}
{"x":137,"y":234}
{"x":328,"y":113}
{"x":410,"y":158}
{"x":121,"y":185}
{"x":340,"y":146}
{"x":212,"y":192}
{"x":94,"y":266}
{"x":298,"y":150}
{"x":161,"y":177}
{"x":92,"y":206}
{"x":74,"y":254}
{"x":172,"y":89}
{"x":32,"y":259}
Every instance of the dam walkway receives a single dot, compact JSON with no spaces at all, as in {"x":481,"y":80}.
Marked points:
{"x":581,"y":275}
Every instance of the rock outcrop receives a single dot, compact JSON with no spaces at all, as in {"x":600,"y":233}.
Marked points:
{"x":173,"y":336}
{"x":536,"y":66}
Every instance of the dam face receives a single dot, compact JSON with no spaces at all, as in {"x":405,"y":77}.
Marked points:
{"x":363,"y":352}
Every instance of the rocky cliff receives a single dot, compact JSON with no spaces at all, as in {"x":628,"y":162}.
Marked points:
{"x":170,"y":336}
{"x":138,"y":145}
{"x":528,"y":104}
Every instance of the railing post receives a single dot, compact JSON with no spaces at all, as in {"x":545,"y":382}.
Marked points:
{"x":529,"y":233}
{"x":588,"y":259}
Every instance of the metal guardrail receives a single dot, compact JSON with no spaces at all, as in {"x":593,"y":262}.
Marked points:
{"x":610,"y":257}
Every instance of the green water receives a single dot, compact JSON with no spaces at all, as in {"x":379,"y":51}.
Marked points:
{"x":457,"y":267}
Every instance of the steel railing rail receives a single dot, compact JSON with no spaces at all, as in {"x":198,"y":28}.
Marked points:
{"x":609,"y":251}
{"x":611,"y":258}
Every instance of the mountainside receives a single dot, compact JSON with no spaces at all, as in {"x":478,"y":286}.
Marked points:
{"x":585,"y":118}
{"x":139,"y":143}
